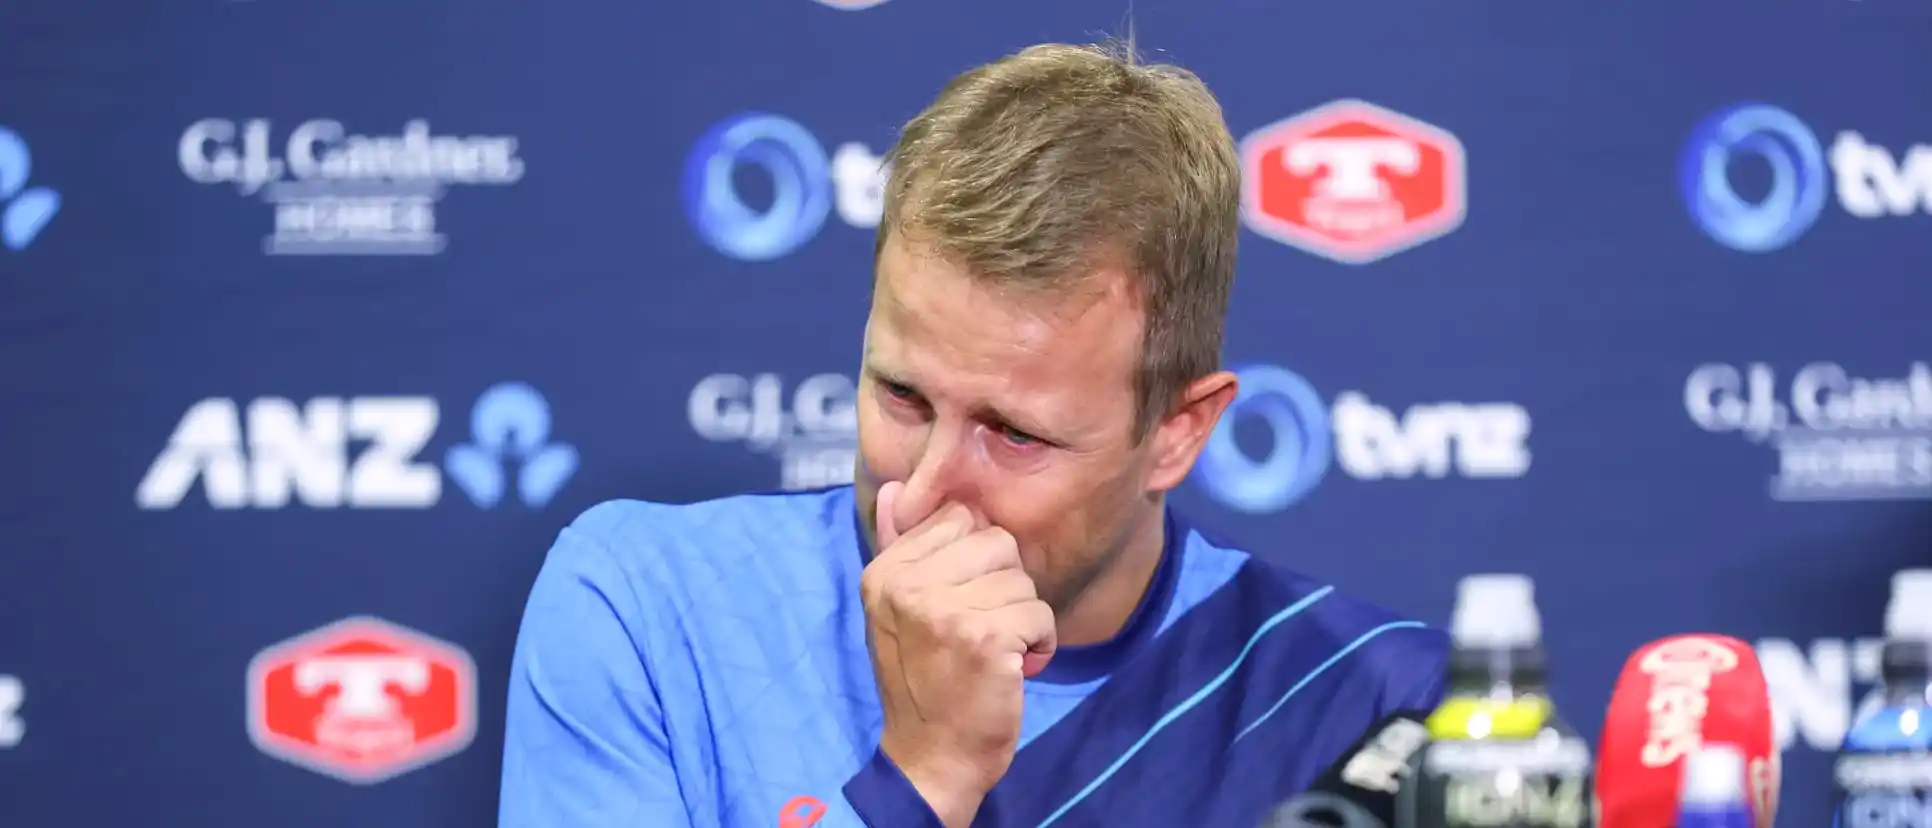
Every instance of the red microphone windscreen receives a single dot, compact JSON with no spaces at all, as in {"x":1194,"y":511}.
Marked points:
{"x":1675,"y":694}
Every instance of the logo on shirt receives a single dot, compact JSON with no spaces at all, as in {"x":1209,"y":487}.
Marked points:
{"x":24,"y":210}
{"x":1367,"y":440}
{"x":801,"y":812}
{"x":1352,"y":182}
{"x":362,"y":700}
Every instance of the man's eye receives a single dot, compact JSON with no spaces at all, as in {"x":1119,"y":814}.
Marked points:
{"x":1018,"y":437}
{"x":897,"y":391}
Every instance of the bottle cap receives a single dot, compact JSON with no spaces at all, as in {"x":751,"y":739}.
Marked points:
{"x":1714,"y":776}
{"x":1909,"y":616}
{"x":1496,"y":611}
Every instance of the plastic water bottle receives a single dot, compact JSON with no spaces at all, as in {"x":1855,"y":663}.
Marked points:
{"x":1499,"y":757}
{"x":1883,"y":775}
{"x":1713,"y":794}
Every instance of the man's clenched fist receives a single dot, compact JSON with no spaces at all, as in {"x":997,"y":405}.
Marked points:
{"x":954,"y":626}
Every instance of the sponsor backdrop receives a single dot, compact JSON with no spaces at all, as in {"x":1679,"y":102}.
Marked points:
{"x":319,"y":320}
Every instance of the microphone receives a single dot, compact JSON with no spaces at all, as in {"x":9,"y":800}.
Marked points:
{"x":1675,"y":695}
{"x":1358,"y":791}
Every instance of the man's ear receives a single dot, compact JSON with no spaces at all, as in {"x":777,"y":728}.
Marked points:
{"x":1179,"y":438}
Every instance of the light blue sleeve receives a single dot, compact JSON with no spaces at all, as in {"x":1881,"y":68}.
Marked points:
{"x":584,"y":736}
{"x":587,"y":740}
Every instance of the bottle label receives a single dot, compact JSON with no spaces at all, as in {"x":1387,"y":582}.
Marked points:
{"x":1502,"y":783}
{"x":1884,"y":789}
{"x":1472,"y":717}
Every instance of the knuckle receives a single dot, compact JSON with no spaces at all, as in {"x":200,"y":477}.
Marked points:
{"x":912,"y":604}
{"x":899,"y":546}
{"x":1019,"y":583}
{"x":963,"y":629}
{"x":923,"y":534}
{"x":879,"y":582}
{"x":984,"y":636}
{"x":941,"y":621}
{"x":1007,"y":545}
{"x":996,"y":544}
{"x":951,"y":535}
{"x":897,"y":599}
{"x":1035,"y":613}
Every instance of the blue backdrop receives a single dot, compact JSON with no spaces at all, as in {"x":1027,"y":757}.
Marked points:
{"x":318,"y":320}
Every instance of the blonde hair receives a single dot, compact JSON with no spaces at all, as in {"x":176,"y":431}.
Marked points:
{"x":1034,"y":169}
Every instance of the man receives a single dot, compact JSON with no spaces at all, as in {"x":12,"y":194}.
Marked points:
{"x":1000,"y":623}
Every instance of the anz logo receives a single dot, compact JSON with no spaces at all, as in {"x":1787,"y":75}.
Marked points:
{"x":25,"y":210}
{"x":358,"y":453}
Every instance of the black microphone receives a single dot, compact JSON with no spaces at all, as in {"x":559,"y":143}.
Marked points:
{"x":1359,"y":790}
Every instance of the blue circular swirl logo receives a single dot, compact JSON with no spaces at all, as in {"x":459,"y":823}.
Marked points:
{"x":1303,"y":443}
{"x":1797,"y":193}
{"x":801,"y":187}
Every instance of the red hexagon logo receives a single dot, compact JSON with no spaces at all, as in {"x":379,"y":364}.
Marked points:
{"x":1352,"y":182}
{"x":362,"y":700}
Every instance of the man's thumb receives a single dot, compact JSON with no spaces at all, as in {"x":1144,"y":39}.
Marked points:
{"x":884,"y":514}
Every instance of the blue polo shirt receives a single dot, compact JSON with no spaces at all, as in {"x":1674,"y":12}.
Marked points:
{"x":705,"y":665}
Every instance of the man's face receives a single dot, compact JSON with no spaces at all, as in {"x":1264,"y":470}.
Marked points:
{"x":1018,"y":407}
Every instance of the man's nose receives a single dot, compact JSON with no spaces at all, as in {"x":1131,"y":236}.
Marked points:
{"x":939,"y":476}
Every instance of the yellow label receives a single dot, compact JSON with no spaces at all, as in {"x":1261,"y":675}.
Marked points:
{"x":1475,"y":717}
